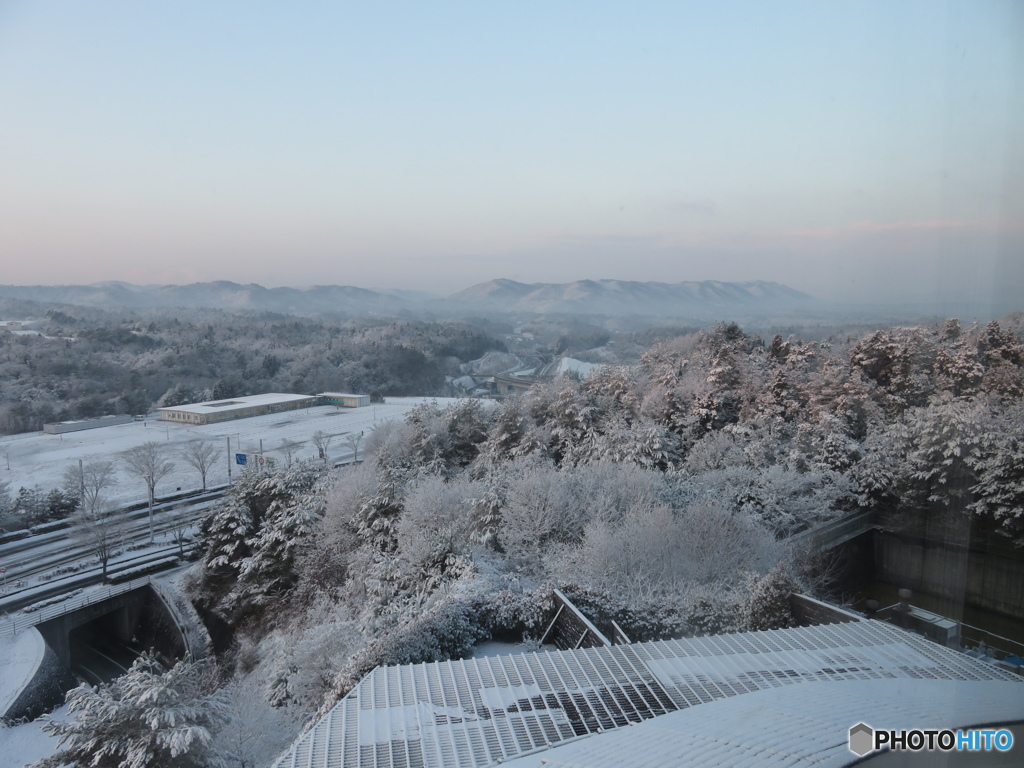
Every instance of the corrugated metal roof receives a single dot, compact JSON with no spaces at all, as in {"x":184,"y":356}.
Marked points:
{"x":478,"y":712}
{"x":790,"y":726}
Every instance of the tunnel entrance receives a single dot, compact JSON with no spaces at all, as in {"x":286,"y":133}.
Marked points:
{"x":100,"y":641}
{"x":98,"y":654}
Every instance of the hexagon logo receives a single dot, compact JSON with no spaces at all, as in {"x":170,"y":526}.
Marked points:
{"x":862,"y":739}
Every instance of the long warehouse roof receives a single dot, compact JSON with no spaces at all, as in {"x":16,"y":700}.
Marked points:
{"x":234,"y":403}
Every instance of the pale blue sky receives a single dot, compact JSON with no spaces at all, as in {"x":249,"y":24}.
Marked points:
{"x":874,"y":149}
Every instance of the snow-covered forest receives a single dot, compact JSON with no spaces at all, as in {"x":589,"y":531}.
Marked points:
{"x":95,"y":363}
{"x":659,"y":492}
{"x":659,"y":495}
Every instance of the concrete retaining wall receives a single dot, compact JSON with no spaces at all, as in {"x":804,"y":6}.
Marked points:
{"x":44,"y":692}
{"x":989,"y":580}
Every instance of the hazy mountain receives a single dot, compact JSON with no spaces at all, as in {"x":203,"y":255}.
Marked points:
{"x":615,"y":297}
{"x":216,"y":295}
{"x":592,"y":297}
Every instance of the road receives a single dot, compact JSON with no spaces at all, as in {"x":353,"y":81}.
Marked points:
{"x":47,"y":565}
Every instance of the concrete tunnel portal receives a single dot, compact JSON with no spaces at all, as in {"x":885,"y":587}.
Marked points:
{"x":99,"y":642}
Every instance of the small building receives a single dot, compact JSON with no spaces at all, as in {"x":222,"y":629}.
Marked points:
{"x":343,"y":400}
{"x":236,"y":408}
{"x":60,"y":427}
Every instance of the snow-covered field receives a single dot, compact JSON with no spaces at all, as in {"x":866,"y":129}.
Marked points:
{"x":24,"y":744}
{"x":40,"y":459}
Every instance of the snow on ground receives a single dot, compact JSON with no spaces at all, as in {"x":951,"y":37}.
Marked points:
{"x":37,"y":458}
{"x":24,"y":744}
{"x":497,"y":648}
{"x":20,"y":657}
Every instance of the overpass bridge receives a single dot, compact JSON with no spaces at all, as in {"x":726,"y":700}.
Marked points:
{"x":97,"y":633}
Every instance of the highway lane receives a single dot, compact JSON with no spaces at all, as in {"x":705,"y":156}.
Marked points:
{"x":28,"y":560}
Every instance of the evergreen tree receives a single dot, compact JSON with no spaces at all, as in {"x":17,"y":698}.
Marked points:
{"x":147,"y":718}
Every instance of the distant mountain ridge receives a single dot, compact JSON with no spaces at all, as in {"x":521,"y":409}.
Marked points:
{"x":628,"y":296}
{"x":220,"y":294}
{"x":596,"y":297}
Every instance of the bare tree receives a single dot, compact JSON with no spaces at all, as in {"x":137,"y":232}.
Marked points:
{"x":6,"y":506}
{"x":288,"y":449}
{"x":147,"y":461}
{"x":94,"y":524}
{"x":353,"y":441}
{"x":322,"y":440}
{"x":101,"y":531}
{"x":202,"y":456}
{"x":89,"y":482}
{"x":180,"y":524}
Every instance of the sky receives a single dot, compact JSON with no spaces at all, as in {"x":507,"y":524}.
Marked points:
{"x":857,"y":150}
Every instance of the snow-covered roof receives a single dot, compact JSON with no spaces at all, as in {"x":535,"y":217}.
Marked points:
{"x":234,"y":403}
{"x":477,"y":712}
{"x":790,"y":726}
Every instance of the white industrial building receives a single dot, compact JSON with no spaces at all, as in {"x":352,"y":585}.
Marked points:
{"x":344,"y":400}
{"x":236,"y":408}
{"x":256,"y":405}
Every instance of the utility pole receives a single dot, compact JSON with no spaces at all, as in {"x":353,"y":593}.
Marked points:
{"x":81,"y":483}
{"x":229,"y":459}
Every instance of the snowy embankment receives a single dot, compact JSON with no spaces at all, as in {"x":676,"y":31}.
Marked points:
{"x":20,"y":657}
{"x":24,"y":744}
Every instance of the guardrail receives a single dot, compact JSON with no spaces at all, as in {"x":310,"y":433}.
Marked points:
{"x":12,"y":624}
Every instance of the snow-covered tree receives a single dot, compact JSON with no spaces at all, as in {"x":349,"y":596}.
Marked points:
{"x":296,"y":505}
{"x":540,"y":512}
{"x":766,"y":604}
{"x":999,"y":491}
{"x":945,"y":444}
{"x":147,"y":718}
{"x":179,"y":394}
{"x":377,"y":517}
{"x":251,"y":539}
{"x":435,"y":531}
